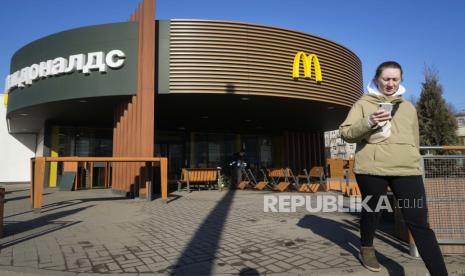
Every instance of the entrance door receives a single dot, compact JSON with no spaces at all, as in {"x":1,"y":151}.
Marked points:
{"x":174,"y":152}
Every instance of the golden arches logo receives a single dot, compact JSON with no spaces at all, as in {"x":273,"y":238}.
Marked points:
{"x":307,"y":61}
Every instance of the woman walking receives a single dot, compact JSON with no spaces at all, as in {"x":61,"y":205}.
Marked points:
{"x":385,"y":127}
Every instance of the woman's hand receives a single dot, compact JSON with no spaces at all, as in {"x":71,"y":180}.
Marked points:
{"x":379,"y":116}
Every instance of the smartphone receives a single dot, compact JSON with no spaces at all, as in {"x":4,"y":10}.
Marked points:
{"x":386,"y":107}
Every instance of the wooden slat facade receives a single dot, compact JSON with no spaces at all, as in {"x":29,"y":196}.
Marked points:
{"x":213,"y":56}
{"x":303,"y":150}
{"x":133,"y":132}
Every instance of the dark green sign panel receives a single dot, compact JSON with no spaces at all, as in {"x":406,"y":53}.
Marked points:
{"x":117,"y":81}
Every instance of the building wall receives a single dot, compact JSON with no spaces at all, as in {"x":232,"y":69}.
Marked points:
{"x":223,"y":57}
{"x":461,"y":127}
{"x":15,"y":151}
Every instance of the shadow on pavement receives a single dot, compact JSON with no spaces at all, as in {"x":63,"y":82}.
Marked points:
{"x":205,"y":242}
{"x":50,"y":222}
{"x":20,"y":197}
{"x":172,"y":198}
{"x":339,"y":234}
{"x":66,"y":203}
{"x":16,"y":191}
{"x":383,"y":233}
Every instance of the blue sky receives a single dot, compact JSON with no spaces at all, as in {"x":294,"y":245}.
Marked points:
{"x":414,"y":32}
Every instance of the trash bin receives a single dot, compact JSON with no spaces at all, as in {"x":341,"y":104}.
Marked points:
{"x":2,"y":201}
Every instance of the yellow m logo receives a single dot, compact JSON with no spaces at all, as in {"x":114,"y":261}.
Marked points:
{"x":307,"y":61}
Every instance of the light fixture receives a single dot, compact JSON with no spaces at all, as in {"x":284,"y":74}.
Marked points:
{"x":248,"y":120}
{"x":330,"y":107}
{"x":245,"y":98}
{"x":83,"y":101}
{"x":24,"y":114}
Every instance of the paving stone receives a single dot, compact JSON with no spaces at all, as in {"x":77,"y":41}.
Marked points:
{"x":128,"y":236}
{"x":131,"y":269}
{"x":274,"y":268}
{"x":301,"y":262}
{"x":319,"y":264}
{"x":284,"y":265}
{"x":6,"y":261}
{"x":113,"y":266}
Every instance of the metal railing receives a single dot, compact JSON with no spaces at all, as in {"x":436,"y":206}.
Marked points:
{"x":38,"y":173}
{"x":444,"y":180}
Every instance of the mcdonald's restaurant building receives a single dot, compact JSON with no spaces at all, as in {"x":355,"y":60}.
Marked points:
{"x":195,"y":91}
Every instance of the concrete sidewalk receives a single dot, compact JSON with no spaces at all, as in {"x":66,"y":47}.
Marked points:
{"x":207,"y":232}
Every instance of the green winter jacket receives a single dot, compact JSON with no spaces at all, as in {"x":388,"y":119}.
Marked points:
{"x":398,"y":155}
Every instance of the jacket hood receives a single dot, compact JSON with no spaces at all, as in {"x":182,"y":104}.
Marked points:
{"x":372,"y":88}
{"x":376,"y":99}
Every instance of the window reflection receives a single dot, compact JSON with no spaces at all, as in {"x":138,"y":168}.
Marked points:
{"x":80,"y":141}
{"x":210,"y":150}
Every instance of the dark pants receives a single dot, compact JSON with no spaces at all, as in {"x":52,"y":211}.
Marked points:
{"x":410,"y":193}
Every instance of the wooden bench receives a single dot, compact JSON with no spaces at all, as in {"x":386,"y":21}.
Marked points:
{"x":208,"y":176}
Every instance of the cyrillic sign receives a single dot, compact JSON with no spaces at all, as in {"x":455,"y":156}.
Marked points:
{"x":93,"y":61}
{"x":307,"y":61}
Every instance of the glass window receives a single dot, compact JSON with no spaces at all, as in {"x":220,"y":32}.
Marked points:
{"x":250,"y":145}
{"x":461,"y":121}
{"x":214,"y":150}
{"x":199,"y":145}
{"x":266,"y":159}
{"x":74,"y":141}
{"x":66,"y":141}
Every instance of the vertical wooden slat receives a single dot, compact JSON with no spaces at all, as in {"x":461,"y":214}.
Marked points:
{"x":292,"y":148}
{"x":124,"y":144}
{"x":308,"y":151}
{"x":136,"y":128}
{"x":131,"y":143}
{"x":136,"y":138}
{"x":303,"y":156}
{"x":301,"y":152}
{"x":148,"y":76}
{"x":115,"y":134}
{"x":117,"y":144}
{"x":39,"y":173}
{"x":321,"y":142}
{"x":31,"y":168}
{"x":315,"y":148}
{"x":120,"y":145}
{"x":286,"y":148}
{"x":296,"y":150}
